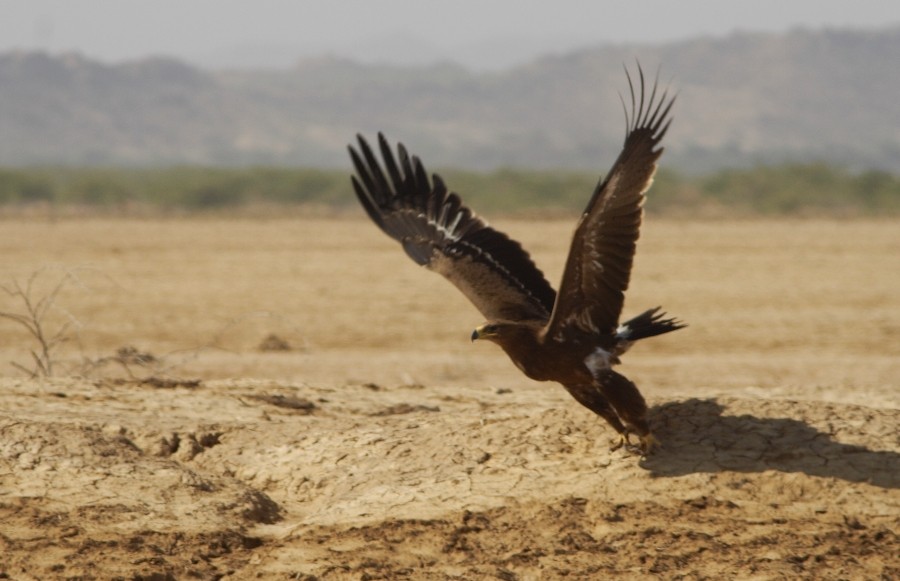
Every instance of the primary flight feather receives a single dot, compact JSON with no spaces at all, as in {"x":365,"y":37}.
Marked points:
{"x":573,"y":336}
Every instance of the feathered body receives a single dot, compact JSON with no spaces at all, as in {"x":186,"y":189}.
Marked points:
{"x":572,"y":337}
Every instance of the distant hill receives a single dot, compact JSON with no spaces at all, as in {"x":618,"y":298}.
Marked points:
{"x":831,"y":95}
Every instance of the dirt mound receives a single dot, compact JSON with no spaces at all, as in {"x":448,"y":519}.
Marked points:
{"x":222,"y":479}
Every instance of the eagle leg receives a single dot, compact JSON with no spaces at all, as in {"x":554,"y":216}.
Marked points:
{"x":623,"y":396}
{"x":588,"y":396}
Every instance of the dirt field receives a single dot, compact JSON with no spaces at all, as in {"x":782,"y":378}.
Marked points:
{"x":369,"y":439}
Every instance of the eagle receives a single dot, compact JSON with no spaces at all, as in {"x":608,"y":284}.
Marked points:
{"x":573,"y":336}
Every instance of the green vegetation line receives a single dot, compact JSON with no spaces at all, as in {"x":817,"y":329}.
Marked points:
{"x":814,"y":189}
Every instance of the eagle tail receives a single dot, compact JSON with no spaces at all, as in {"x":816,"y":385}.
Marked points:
{"x":648,"y":324}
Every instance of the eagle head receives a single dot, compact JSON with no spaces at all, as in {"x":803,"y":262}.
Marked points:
{"x":486,"y":331}
{"x":501,"y":332}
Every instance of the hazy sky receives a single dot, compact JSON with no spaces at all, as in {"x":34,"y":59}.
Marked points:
{"x":484,"y":33}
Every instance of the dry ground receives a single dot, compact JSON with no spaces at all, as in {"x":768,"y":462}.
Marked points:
{"x":383,"y":445}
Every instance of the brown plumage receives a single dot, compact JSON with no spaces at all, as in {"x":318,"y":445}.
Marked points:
{"x":572,"y":337}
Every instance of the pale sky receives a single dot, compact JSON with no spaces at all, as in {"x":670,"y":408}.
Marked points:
{"x":476,"y":33}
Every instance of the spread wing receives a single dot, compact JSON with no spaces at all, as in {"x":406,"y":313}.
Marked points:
{"x":440,"y":233}
{"x":599,"y":264}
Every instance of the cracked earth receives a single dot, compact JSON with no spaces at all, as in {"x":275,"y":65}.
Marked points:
{"x":377,"y":443}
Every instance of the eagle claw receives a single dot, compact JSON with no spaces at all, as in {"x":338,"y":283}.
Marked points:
{"x":647,"y":443}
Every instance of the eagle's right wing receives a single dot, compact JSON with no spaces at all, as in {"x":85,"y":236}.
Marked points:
{"x":440,"y":233}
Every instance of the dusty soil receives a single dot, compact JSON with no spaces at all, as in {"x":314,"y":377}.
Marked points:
{"x":294,"y":399}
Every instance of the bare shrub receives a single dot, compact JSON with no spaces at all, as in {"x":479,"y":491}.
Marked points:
{"x":34,"y":316}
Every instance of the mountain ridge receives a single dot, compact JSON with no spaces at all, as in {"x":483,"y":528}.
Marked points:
{"x":747,"y":98}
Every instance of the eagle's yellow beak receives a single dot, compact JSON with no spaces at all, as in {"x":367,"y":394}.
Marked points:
{"x":484,"y":331}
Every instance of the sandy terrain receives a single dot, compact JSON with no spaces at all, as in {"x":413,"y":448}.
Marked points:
{"x":175,"y":442}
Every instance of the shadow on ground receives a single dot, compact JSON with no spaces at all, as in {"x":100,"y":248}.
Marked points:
{"x":697,"y":437}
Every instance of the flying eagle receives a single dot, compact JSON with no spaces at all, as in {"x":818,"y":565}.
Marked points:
{"x":574,"y":336}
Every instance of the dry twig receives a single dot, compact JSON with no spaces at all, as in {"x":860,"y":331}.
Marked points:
{"x":34,"y":320}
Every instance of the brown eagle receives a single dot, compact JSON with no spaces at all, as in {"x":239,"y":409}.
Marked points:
{"x":574,"y":336}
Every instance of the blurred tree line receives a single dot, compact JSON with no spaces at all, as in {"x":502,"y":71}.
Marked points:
{"x":809,"y":189}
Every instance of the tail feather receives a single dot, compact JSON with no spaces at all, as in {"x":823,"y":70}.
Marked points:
{"x":648,"y":324}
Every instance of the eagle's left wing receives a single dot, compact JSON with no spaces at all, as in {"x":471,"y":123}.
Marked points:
{"x":598,"y":268}
{"x":440,"y":233}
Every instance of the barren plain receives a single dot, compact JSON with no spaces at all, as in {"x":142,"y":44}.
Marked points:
{"x":293,"y":398}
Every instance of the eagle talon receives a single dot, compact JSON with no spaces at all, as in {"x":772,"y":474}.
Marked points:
{"x":620,"y":442}
{"x":635,"y":449}
{"x":647,"y":443}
